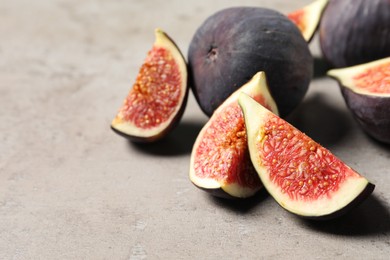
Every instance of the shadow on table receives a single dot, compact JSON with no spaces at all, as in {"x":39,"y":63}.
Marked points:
{"x":371,"y":217}
{"x":321,"y":66}
{"x":240,"y":205}
{"x":178,"y":142}
{"x":321,"y":120}
{"x":385,"y":147}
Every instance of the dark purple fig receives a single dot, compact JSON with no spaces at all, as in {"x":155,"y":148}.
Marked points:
{"x":355,"y":31}
{"x":366,"y":90}
{"x":235,"y":43}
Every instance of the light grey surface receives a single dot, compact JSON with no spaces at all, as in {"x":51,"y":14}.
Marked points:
{"x":70,"y":188}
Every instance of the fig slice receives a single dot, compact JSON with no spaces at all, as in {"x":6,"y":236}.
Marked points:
{"x":301,"y":175}
{"x":220,"y":162}
{"x":366,"y":91}
{"x":308,"y":18}
{"x":156,"y":102}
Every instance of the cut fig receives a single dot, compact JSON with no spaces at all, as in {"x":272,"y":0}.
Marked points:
{"x":156,"y":103}
{"x":235,"y":43}
{"x":308,"y":18}
{"x":354,"y":32}
{"x":301,"y":175}
{"x":366,"y":90}
{"x":220,"y":162}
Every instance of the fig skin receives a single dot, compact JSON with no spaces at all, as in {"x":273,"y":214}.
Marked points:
{"x":353,"y":204}
{"x":235,"y":43}
{"x":355,"y":31}
{"x":371,"y":112}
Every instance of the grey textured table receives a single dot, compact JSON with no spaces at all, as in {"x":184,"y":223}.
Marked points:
{"x":70,"y":188}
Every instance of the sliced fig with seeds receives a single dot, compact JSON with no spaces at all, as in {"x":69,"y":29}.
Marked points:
{"x":366,"y":90}
{"x":220,"y":162}
{"x":157,"y":100}
{"x":308,"y":18}
{"x":301,"y":175}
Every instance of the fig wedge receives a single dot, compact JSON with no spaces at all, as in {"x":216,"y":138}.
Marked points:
{"x":301,"y":175}
{"x":220,"y":162}
{"x":308,"y":18}
{"x":366,"y":91}
{"x":156,"y":103}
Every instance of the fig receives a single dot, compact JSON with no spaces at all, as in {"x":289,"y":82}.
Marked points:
{"x":220,"y":162}
{"x":301,"y":175}
{"x":156,"y":102}
{"x":235,"y":43}
{"x":366,"y":90}
{"x":354,"y":32}
{"x":308,"y":18}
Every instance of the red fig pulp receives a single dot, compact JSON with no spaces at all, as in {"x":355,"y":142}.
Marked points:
{"x":157,"y":100}
{"x":308,"y":18}
{"x":220,"y":160}
{"x":366,"y":90}
{"x":301,"y":175}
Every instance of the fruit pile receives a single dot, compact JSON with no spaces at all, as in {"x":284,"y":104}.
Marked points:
{"x":248,"y":68}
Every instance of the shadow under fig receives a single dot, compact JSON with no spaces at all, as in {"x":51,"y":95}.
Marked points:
{"x":369,"y":218}
{"x":240,"y":205}
{"x":178,"y":142}
{"x":320,"y":120}
{"x":320,"y":67}
{"x":384,"y":146}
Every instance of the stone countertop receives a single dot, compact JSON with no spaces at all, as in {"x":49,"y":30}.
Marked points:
{"x":70,"y":188}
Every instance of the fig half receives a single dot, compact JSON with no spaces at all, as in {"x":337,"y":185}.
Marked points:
{"x":220,"y":162}
{"x":308,"y":18}
{"x":156,"y":103}
{"x":366,"y":90}
{"x":301,"y":175}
